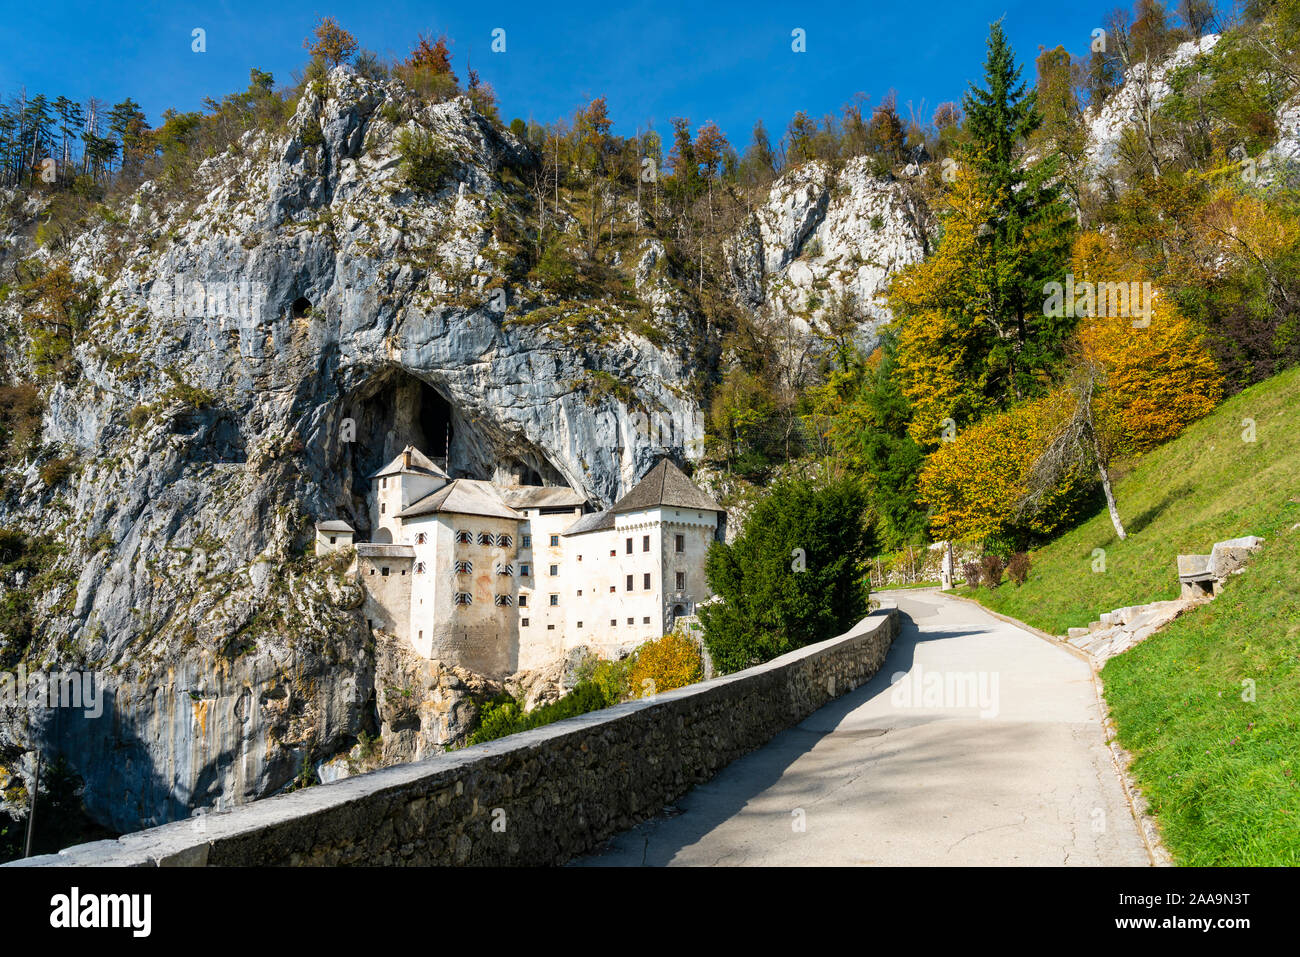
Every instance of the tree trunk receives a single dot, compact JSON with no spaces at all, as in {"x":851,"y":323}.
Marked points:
{"x":1110,"y":495}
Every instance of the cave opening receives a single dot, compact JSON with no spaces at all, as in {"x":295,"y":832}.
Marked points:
{"x":301,"y":307}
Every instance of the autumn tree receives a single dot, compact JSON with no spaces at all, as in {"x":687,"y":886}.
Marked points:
{"x":332,"y":43}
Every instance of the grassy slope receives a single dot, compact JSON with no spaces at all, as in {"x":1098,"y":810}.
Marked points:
{"x":1222,"y":774}
{"x":1205,"y":486}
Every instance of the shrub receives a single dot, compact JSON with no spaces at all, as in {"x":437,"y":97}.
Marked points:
{"x":1018,"y":568}
{"x":972,"y":573}
{"x":425,"y":164}
{"x":992,"y":567}
{"x":56,"y":470}
{"x":611,"y":677}
{"x":503,"y":715}
{"x":794,"y":576}
{"x":663,"y":664}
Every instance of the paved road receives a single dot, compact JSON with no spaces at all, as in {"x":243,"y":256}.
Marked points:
{"x":988,"y":751}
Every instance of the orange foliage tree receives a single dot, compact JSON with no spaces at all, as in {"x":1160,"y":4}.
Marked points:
{"x":1158,"y":376}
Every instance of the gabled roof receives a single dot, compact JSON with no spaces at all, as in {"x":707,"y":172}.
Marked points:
{"x":665,"y":484}
{"x":463,"y":497}
{"x":334,"y":526}
{"x":594,"y":522}
{"x":541,"y":496}
{"x":420,"y":464}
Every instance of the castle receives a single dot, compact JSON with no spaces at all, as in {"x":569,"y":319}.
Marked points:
{"x":502,"y":578}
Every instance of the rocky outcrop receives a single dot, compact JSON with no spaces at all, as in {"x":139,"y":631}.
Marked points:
{"x":823,"y":233}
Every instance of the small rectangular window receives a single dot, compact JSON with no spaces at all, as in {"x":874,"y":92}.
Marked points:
{"x":555,"y":599}
{"x":612,"y":553}
{"x":523,"y":622}
{"x":504,"y":541}
{"x":464,"y":538}
{"x":645,"y":543}
{"x":555,"y":540}
{"x":463,"y":598}
{"x":681,"y":581}
{"x":485,"y":538}
{"x":504,"y":600}
{"x":383,"y":571}
{"x":613,"y":622}
{"x":631,"y":621}
{"x":555,"y":569}
{"x":629,"y":581}
{"x":383,"y":508}
{"x":647,"y":581}
{"x":332,"y":539}
{"x":629,"y":546}
{"x":524,"y":570}
{"x":680,"y":543}
{"x":523,"y":601}
{"x":579,"y":624}
{"x":611,"y":587}
{"x":550,"y":627}
{"x":645,"y":620}
{"x":579,"y":591}
{"x":527,"y":542}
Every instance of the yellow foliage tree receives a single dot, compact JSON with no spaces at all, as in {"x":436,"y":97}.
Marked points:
{"x":941,"y":338}
{"x":672,"y":661}
{"x":975,"y":485}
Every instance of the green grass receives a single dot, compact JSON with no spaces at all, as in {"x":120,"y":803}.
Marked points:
{"x":1220,"y":772}
{"x":1206,"y":486}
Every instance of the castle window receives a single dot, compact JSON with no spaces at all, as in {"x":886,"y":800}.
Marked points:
{"x":612,"y":588}
{"x":550,"y":627}
{"x":504,"y":541}
{"x":681,"y":581}
{"x":645,"y":543}
{"x":463,"y":598}
{"x":523,"y":622}
{"x":505,"y":569}
{"x":555,"y":599}
{"x":680,"y":543}
{"x":383,"y":483}
{"x":612,"y":553}
{"x":631,"y":621}
{"x":383,"y":508}
{"x":579,"y":624}
{"x":645,"y":620}
{"x":485,"y":538}
{"x":384,"y":571}
{"x":629,"y":546}
{"x":613,"y":622}
{"x":419,"y":568}
{"x":504,"y":600}
{"x":579,"y":591}
{"x":555,"y":569}
{"x":629,"y":582}
{"x":464,"y":568}
{"x":579,"y":558}
{"x":527,"y":542}
{"x":555,"y":540}
{"x":525,"y":571}
{"x":647,"y":581}
{"x":523,"y":601}
{"x":332,"y":539}
{"x":464,"y":538}
{"x":421,"y":538}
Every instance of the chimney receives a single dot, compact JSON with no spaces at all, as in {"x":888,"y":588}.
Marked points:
{"x":406,"y":457}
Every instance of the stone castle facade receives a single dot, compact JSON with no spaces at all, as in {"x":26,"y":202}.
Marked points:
{"x":502,"y":578}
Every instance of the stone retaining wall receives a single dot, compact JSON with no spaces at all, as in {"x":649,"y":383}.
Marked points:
{"x":539,"y":797}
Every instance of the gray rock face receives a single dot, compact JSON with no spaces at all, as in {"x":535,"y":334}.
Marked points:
{"x":822,"y":234}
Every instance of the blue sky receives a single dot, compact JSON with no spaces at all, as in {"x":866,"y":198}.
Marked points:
{"x":727,"y":62}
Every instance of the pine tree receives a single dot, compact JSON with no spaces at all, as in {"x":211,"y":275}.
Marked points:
{"x":1027,"y":239}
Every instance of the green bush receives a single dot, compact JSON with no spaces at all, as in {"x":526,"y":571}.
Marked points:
{"x":794,"y":576}
{"x":425,"y":164}
{"x":503,"y":715}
